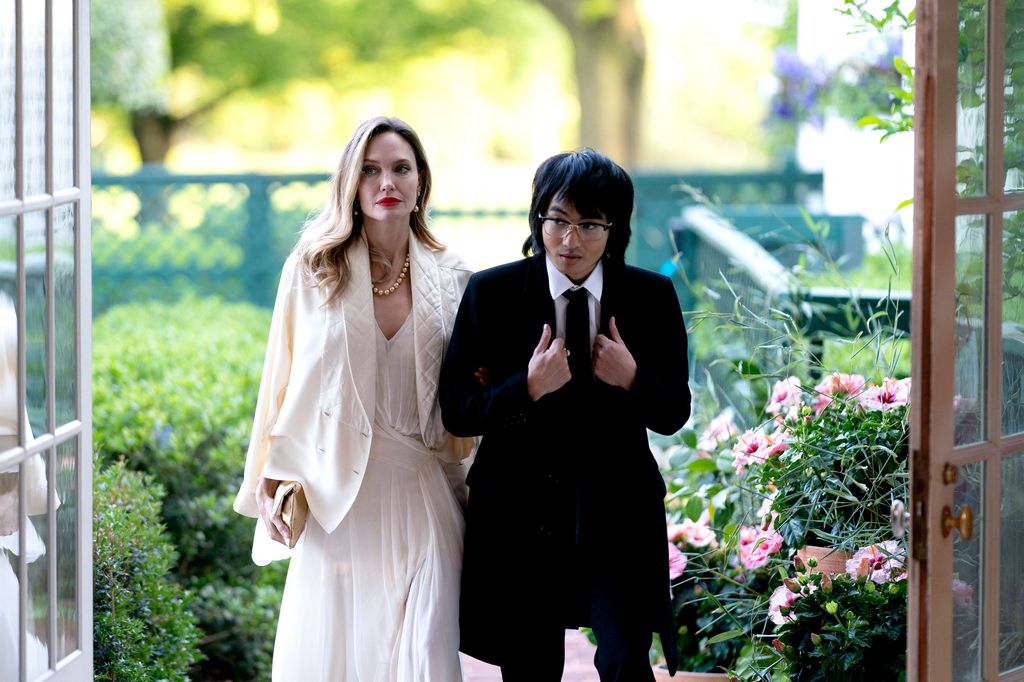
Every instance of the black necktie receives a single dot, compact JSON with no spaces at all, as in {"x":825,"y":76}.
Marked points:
{"x":577,"y":334}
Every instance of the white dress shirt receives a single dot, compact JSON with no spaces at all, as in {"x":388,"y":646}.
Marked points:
{"x":558,"y":284}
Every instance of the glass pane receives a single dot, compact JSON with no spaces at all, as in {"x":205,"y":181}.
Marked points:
{"x":967,"y":585}
{"x":9,"y":593}
{"x":969,"y":364}
{"x":1014,"y":116}
{"x":1013,"y":323}
{"x":64,"y":311}
{"x":7,"y":129}
{"x":36,"y":536}
{"x":972,"y":93}
{"x":35,"y":320}
{"x":34,"y":82}
{"x":8,"y":337}
{"x":67,"y":548}
{"x":1011,"y":564}
{"x":63,"y":94}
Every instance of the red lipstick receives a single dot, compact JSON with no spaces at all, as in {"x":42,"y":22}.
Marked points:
{"x":388,"y":202}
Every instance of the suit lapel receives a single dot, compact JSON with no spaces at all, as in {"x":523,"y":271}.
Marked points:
{"x":539,"y":308}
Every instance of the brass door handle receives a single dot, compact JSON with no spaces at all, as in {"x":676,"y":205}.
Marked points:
{"x":963,"y":522}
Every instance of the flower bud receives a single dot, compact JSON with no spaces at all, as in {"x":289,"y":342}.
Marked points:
{"x":792,"y":585}
{"x":869,"y":586}
{"x":798,"y":563}
{"x":815,"y":639}
{"x":812,"y":562}
{"x":894,"y":589}
{"x":831,"y":607}
{"x":826,"y":582}
{"x":778,"y":646}
{"x":848,"y":615}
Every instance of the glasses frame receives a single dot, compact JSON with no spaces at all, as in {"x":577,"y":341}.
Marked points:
{"x":565,"y":227}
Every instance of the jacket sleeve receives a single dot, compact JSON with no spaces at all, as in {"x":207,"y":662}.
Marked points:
{"x":661,"y":392}
{"x":273,"y":384}
{"x":467,"y":407}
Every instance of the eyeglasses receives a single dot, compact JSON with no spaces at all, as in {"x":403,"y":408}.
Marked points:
{"x":588,"y":230}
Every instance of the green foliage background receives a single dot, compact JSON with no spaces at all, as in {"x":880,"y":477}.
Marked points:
{"x":174,"y":388}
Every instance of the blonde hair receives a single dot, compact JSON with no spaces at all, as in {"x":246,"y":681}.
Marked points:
{"x":326,"y":238}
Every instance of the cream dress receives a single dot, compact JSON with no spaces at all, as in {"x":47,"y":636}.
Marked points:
{"x":377,"y":599}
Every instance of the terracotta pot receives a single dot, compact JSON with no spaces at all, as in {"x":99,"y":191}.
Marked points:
{"x":661,"y":675}
{"x":830,"y":561}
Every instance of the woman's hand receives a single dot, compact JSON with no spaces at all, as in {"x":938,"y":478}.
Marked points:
{"x":266,"y":488}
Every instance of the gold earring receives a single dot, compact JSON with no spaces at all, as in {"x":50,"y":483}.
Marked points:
{"x":416,"y":208}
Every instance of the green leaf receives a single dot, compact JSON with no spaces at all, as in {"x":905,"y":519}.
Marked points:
{"x":869,"y":120}
{"x":902,"y":67}
{"x":905,"y":203}
{"x":702,"y":466}
{"x":694,"y":508}
{"x":725,"y":636}
{"x":689,"y":437}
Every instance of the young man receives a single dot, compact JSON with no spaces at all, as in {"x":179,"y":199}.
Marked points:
{"x":562,"y":361}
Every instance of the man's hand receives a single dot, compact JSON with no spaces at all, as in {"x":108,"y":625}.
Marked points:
{"x":613,"y":363}
{"x":549,"y":367}
{"x":266,"y":488}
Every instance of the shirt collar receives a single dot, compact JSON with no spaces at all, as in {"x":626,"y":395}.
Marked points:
{"x":558,"y":283}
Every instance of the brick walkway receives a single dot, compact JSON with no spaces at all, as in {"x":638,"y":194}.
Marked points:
{"x":579,"y":663}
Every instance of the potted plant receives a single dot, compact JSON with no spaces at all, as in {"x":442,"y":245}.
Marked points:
{"x":831,"y":459}
{"x":849,"y":627}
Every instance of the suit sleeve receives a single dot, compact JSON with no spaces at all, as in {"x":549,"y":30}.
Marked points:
{"x":661,"y":391}
{"x":467,"y":408}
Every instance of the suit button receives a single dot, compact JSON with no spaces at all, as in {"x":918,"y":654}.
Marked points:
{"x":544,"y":531}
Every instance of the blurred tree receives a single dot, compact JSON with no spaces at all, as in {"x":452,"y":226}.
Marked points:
{"x":130,"y":59}
{"x":609,"y":57}
{"x":168,"y":67}
{"x":223,"y":47}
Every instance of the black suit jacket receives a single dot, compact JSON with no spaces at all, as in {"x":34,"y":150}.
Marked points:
{"x":565,"y":496}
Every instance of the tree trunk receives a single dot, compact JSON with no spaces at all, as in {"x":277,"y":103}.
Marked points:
{"x":153,"y":132}
{"x":609,"y":58}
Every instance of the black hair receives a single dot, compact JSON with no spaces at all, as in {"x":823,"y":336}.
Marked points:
{"x":595,"y":185}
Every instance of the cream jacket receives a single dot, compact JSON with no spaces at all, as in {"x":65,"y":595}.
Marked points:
{"x":317,"y":397}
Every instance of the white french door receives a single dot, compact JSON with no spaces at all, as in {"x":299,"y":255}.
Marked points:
{"x":45,"y":399}
{"x":967,"y":443}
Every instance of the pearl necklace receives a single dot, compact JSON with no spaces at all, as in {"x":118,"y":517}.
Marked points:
{"x":398,"y":282}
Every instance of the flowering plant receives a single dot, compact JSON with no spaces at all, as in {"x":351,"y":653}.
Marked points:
{"x":848,"y":627}
{"x":720,"y":550}
{"x":832,"y":458}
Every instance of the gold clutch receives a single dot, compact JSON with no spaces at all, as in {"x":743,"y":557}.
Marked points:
{"x":290,"y":502}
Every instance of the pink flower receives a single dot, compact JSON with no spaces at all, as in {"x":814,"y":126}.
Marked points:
{"x":836,"y":385}
{"x":890,"y":394}
{"x":785,"y":397}
{"x":756,"y":446}
{"x":757,"y":545}
{"x":781,"y":598}
{"x":721,"y":429}
{"x":963,"y":594}
{"x":880,"y":563}
{"x":694,"y":533}
{"x":676,"y":562}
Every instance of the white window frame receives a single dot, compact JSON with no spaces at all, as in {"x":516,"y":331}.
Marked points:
{"x":77,"y":665}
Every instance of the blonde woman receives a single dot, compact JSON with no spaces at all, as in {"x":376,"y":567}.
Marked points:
{"x":348,"y":408}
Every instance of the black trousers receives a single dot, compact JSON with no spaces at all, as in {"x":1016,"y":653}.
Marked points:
{"x":623,"y":643}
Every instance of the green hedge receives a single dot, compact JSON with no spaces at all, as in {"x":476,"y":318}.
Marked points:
{"x":142,"y":628}
{"x":174,"y":390}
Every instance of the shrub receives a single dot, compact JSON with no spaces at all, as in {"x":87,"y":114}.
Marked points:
{"x":142,"y":628}
{"x":174,"y":389}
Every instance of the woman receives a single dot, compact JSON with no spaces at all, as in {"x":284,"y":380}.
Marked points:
{"x":348,"y":408}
